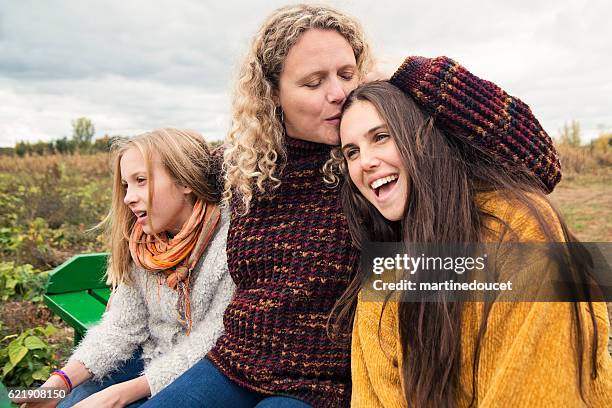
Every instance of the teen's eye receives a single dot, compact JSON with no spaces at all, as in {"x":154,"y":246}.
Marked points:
{"x":351,"y":153}
{"x":141,"y":180}
{"x":380,"y":136}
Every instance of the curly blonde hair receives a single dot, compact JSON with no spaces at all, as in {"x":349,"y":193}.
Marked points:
{"x":255,"y":142}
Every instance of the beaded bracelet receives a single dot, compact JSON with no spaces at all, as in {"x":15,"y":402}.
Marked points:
{"x":64,"y":377}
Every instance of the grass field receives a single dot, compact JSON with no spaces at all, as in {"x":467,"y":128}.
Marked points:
{"x":586,"y":203}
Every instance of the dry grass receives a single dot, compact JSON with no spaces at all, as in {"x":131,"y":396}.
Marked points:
{"x":87,"y":165}
{"x":585,"y":200}
{"x":584,"y":159}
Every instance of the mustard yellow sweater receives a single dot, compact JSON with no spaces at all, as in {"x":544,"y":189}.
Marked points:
{"x":528,"y":356}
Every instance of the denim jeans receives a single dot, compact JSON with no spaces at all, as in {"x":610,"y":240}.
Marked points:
{"x":128,"y":371}
{"x":204,"y":386}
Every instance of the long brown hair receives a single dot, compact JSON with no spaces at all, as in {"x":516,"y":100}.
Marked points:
{"x":446,"y":175}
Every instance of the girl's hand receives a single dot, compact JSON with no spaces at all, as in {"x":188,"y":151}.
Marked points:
{"x":52,"y":382}
{"x":118,"y":395}
{"x":75,"y":370}
{"x":107,"y":398}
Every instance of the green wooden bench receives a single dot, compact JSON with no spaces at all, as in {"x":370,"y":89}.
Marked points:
{"x":77,"y":291}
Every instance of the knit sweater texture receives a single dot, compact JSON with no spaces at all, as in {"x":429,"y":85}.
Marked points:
{"x":144,"y":314}
{"x":528,"y":354}
{"x":291,"y":258}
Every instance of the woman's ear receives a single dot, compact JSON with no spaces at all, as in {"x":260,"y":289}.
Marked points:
{"x":187,"y":190}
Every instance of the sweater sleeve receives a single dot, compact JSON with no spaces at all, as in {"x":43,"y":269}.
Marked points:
{"x":528,"y":357}
{"x":215,"y":288}
{"x":374,"y":357}
{"x":115,"y":338}
{"x":529,"y":351}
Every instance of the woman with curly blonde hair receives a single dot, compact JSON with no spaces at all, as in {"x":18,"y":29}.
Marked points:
{"x":256,"y":140}
{"x":289,"y":250}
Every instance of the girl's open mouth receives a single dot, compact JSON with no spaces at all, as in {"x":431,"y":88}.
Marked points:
{"x":383,"y":186}
{"x":141,"y":216}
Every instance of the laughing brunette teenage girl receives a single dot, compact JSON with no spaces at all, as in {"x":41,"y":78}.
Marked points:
{"x":169,"y":272}
{"x":451,"y":158}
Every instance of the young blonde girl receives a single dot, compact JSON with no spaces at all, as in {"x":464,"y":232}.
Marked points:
{"x":168,"y":269}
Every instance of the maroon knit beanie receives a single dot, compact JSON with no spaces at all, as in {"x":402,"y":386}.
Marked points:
{"x":480,"y":112}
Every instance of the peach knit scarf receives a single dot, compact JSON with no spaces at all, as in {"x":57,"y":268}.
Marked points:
{"x":176,"y":257}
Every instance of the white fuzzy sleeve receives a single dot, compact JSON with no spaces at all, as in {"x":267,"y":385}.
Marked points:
{"x":115,"y":338}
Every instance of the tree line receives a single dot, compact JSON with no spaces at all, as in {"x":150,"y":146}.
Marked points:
{"x":81,"y":142}
{"x":570,"y":135}
{"x":83,"y":130}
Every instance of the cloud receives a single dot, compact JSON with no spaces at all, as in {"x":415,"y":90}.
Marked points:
{"x":144,"y":104}
{"x":132,"y":66}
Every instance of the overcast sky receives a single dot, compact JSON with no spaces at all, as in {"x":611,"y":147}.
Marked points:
{"x":132,"y":65}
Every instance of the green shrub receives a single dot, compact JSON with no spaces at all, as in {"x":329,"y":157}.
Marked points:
{"x":27,"y":358}
{"x":21,"y":282}
{"x":47,"y":205}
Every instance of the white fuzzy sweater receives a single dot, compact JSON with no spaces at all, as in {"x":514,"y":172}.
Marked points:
{"x":144,"y":314}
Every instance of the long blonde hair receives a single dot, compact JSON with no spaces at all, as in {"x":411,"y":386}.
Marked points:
{"x":186,"y":157}
{"x":255,"y":140}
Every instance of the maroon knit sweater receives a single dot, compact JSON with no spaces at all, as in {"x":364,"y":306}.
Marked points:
{"x":291,"y":259}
